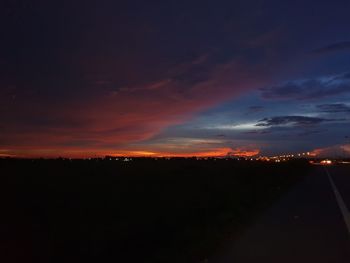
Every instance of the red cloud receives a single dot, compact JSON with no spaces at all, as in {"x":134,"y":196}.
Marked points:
{"x":332,"y":151}
{"x":109,"y":121}
{"x":244,"y":153}
{"x":77,"y":153}
{"x":216,"y":152}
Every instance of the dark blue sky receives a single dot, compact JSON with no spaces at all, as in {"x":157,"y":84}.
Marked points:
{"x":85,"y":78}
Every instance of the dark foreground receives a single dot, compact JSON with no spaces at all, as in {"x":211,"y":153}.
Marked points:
{"x":141,"y":211}
{"x":305,"y":225}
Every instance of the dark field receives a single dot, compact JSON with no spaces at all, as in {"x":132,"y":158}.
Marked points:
{"x":141,"y":211}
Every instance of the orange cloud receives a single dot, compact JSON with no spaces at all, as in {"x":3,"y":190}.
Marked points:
{"x":218,"y":152}
{"x":332,"y":151}
{"x":77,"y":153}
{"x":110,"y":120}
{"x":73,"y":153}
{"x":244,"y":153}
{"x":316,"y":152}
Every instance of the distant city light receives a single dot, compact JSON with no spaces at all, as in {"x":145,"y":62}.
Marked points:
{"x":326,"y":162}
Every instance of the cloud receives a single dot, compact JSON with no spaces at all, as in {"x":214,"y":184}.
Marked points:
{"x":235,"y":127}
{"x":310,"y":133}
{"x":309,"y":89}
{"x":212,"y":152}
{"x":142,"y":88}
{"x":292,"y":121}
{"x":257,"y":132}
{"x":334,"y":108}
{"x":332,"y":151}
{"x":240,"y":152}
{"x":209,"y":152}
{"x":335,"y":47}
{"x":255,"y":109}
{"x":105,"y":121}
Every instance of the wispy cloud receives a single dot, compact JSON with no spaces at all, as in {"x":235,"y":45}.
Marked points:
{"x":255,"y":109}
{"x":292,"y":121}
{"x":309,"y":89}
{"x":130,"y":115}
{"x":242,"y":152}
{"x":334,"y":108}
{"x":236,"y":127}
{"x":332,"y":151}
{"x":334,"y":47}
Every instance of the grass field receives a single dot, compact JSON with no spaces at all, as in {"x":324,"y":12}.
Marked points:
{"x":145,"y":210}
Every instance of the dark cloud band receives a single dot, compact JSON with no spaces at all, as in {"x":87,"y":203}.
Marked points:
{"x":309,"y":89}
{"x":335,"y":47}
{"x":293,"y":121}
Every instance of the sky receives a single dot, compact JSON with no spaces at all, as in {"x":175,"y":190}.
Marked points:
{"x":174,"y":78}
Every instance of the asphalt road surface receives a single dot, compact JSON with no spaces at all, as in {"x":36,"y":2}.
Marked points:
{"x":311,"y":223}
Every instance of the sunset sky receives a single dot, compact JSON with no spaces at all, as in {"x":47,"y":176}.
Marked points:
{"x":174,"y":78}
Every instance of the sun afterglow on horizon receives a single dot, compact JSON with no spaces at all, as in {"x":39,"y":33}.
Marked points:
{"x":45,"y":153}
{"x":174,"y":79}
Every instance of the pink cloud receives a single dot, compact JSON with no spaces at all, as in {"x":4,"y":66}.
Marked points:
{"x":332,"y":151}
{"x":112,"y":120}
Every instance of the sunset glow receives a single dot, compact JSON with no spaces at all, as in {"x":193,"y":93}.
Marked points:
{"x":175,"y":79}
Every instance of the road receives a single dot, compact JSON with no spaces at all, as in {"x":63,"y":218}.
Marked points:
{"x":307,"y":225}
